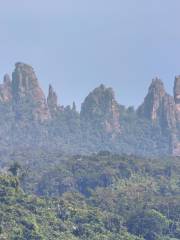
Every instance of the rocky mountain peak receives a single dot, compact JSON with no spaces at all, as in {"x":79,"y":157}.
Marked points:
{"x":152,"y":102}
{"x":101,"y":107}
{"x":25,"y":82}
{"x":26,"y":91}
{"x":160,"y":108}
{"x":156,"y":88}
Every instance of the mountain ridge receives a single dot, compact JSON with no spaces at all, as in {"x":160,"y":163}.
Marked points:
{"x":30,"y":119}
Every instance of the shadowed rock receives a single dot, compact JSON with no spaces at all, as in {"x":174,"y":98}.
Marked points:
{"x":52,"y":100}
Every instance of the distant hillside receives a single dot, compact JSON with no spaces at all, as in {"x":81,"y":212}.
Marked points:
{"x":29,"y":119}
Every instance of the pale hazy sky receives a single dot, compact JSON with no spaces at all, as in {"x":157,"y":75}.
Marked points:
{"x":78,"y":44}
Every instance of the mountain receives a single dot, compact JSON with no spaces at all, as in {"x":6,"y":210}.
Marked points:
{"x":27,"y":95}
{"x":29,"y":120}
{"x":162,"y":109}
{"x":100,"y":109}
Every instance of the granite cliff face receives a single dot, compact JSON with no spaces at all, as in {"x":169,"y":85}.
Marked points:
{"x":158,"y":106}
{"x":101,"y":109}
{"x":30,"y":120}
{"x":27,"y":94}
{"x":162,"y":109}
{"x":151,"y":107}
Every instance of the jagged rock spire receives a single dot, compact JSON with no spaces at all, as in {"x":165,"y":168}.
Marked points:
{"x":177,"y":90}
{"x":25,"y":82}
{"x":26,"y":90}
{"x":52,"y":100}
{"x":153,"y":100}
{"x":6,"y":89}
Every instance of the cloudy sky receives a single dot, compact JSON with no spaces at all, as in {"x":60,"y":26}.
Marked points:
{"x":78,"y":44}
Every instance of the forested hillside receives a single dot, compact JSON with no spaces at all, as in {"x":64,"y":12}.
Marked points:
{"x":101,"y":197}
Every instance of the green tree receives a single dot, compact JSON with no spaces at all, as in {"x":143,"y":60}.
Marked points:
{"x":15,"y":168}
{"x":149,"y":224}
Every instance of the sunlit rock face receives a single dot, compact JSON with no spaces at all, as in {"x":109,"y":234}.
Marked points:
{"x":176,"y":138}
{"x":28,"y":94}
{"x":153,"y":101}
{"x":158,"y":106}
{"x":163,"y":110}
{"x":101,"y":110}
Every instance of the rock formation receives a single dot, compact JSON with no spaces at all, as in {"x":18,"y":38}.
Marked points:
{"x":6,"y":90}
{"x":52,"y":101}
{"x":28,"y":94}
{"x":101,"y":109}
{"x":164,"y":110}
{"x":176,"y":137}
{"x":158,"y":106}
{"x":151,"y":107}
{"x":177,"y":97}
{"x":29,"y":120}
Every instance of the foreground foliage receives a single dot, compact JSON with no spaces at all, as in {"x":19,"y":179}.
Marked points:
{"x":97,"y":197}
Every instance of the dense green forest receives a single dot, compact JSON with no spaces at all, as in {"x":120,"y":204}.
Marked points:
{"x":99,"y":197}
